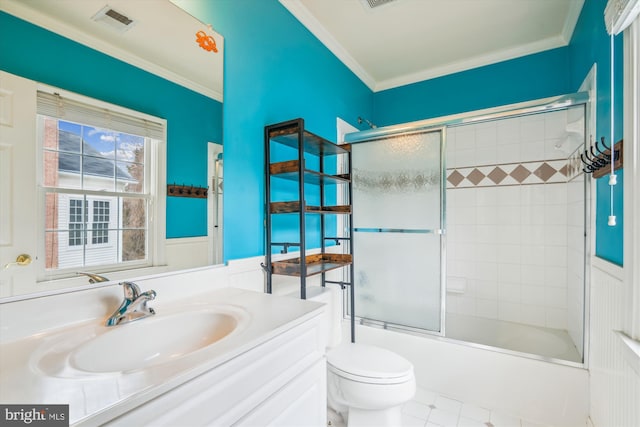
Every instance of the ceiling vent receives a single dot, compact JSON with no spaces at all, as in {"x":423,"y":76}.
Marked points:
{"x":372,"y":4}
{"x":114,"y":19}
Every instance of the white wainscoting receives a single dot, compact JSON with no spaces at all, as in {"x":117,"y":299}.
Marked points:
{"x":187,"y":252}
{"x":614,"y":384}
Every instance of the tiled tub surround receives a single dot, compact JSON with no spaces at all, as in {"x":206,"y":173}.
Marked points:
{"x":515,"y":216}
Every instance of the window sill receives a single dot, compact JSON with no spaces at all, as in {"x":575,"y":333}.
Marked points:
{"x":631,"y":350}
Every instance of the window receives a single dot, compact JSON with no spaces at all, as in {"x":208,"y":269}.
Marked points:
{"x":76,"y":222}
{"x":100,"y":222}
{"x":99,"y":184}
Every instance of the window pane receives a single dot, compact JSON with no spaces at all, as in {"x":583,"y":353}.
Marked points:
{"x":98,"y":173}
{"x":69,"y":136}
{"x":99,"y":142}
{"x":134,"y":213}
{"x":102,"y":253}
{"x":58,"y":252}
{"x":130,"y":177}
{"x":130,"y":148}
{"x":133,"y":245}
{"x":61,"y":170}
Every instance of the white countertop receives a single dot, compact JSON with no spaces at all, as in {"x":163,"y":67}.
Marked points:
{"x":35,"y":369}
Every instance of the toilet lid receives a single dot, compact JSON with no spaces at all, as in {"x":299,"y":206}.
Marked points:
{"x":366,"y":363}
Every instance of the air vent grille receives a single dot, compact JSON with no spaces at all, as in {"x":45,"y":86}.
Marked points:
{"x":118,"y":17}
{"x":114,"y":19}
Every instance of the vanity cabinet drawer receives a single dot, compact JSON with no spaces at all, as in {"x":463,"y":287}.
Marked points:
{"x":234,"y":389}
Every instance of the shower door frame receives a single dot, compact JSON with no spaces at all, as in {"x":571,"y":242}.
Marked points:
{"x":441,"y":231}
{"x":543,"y":105}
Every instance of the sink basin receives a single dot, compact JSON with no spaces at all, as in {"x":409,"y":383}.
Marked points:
{"x":153,"y":340}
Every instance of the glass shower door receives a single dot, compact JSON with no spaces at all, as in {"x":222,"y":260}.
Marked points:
{"x":397,"y":219}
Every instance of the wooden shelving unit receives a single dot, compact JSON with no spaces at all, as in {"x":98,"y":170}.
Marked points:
{"x":292,"y":134}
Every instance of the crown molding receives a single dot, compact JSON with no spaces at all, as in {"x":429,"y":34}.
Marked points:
{"x":475,"y":62}
{"x":35,"y":17}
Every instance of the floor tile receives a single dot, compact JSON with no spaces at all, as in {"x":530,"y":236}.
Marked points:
{"x":334,"y":419}
{"x":448,"y":405}
{"x":443,"y":418}
{"x":470,"y":422}
{"x":504,"y":420}
{"x":416,"y":409}
{"x":527,"y":423}
{"x":475,"y":413}
{"x":409,"y":421}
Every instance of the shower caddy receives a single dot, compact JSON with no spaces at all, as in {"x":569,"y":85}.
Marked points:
{"x":310,"y":183}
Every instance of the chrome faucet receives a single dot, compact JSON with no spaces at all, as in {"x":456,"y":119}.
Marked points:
{"x":93,"y":278}
{"x":134,"y":306}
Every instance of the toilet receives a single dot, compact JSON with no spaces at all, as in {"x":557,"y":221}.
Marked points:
{"x":366,"y":385}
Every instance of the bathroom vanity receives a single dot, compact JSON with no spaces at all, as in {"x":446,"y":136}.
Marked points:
{"x":220,"y":357}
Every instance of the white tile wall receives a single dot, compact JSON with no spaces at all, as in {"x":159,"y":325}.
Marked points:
{"x":517,"y":245}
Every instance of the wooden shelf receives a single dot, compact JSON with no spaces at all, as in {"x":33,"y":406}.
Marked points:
{"x":316,"y":264}
{"x":314,"y":144}
{"x":290,"y":170}
{"x":294,"y":207}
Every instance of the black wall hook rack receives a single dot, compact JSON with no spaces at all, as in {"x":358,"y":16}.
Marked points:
{"x":187,"y":191}
{"x":598,"y":157}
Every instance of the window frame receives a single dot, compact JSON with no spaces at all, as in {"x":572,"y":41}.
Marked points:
{"x":155,"y":180}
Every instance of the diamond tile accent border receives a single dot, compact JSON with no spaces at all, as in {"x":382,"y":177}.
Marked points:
{"x":550,"y":171}
{"x":545,"y":172}
{"x":476,"y":176}
{"x":455,"y":178}
{"x":497,"y":175}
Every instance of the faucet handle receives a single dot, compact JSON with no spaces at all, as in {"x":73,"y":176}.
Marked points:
{"x":131,"y":290}
{"x":93,"y":278}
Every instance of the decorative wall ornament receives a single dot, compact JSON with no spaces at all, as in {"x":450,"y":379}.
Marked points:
{"x":206,"y":42}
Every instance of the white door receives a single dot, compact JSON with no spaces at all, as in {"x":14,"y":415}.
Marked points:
{"x":18,"y":216}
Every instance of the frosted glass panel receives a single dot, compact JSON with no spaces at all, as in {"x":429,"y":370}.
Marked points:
{"x":396,"y":215}
{"x":397,"y":278}
{"x":396,"y":182}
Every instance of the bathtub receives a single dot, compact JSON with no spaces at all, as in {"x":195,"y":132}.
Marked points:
{"x":536,"y":340}
{"x":509,"y":382}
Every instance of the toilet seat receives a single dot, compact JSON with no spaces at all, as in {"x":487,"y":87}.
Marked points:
{"x":368,"y":364}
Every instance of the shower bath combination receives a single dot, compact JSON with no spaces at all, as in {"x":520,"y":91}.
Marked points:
{"x":473,"y":228}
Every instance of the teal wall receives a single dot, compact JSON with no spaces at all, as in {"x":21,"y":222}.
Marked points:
{"x":192,"y":119}
{"x":274,"y":70}
{"x":591,"y":44}
{"x":522,"y":79}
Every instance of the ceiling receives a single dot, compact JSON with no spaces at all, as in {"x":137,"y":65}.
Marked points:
{"x":161,"y":40}
{"x":397,"y":43}
{"x":406,"y":41}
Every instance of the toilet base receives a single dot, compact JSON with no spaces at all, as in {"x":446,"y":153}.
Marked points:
{"x":381,"y":418}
